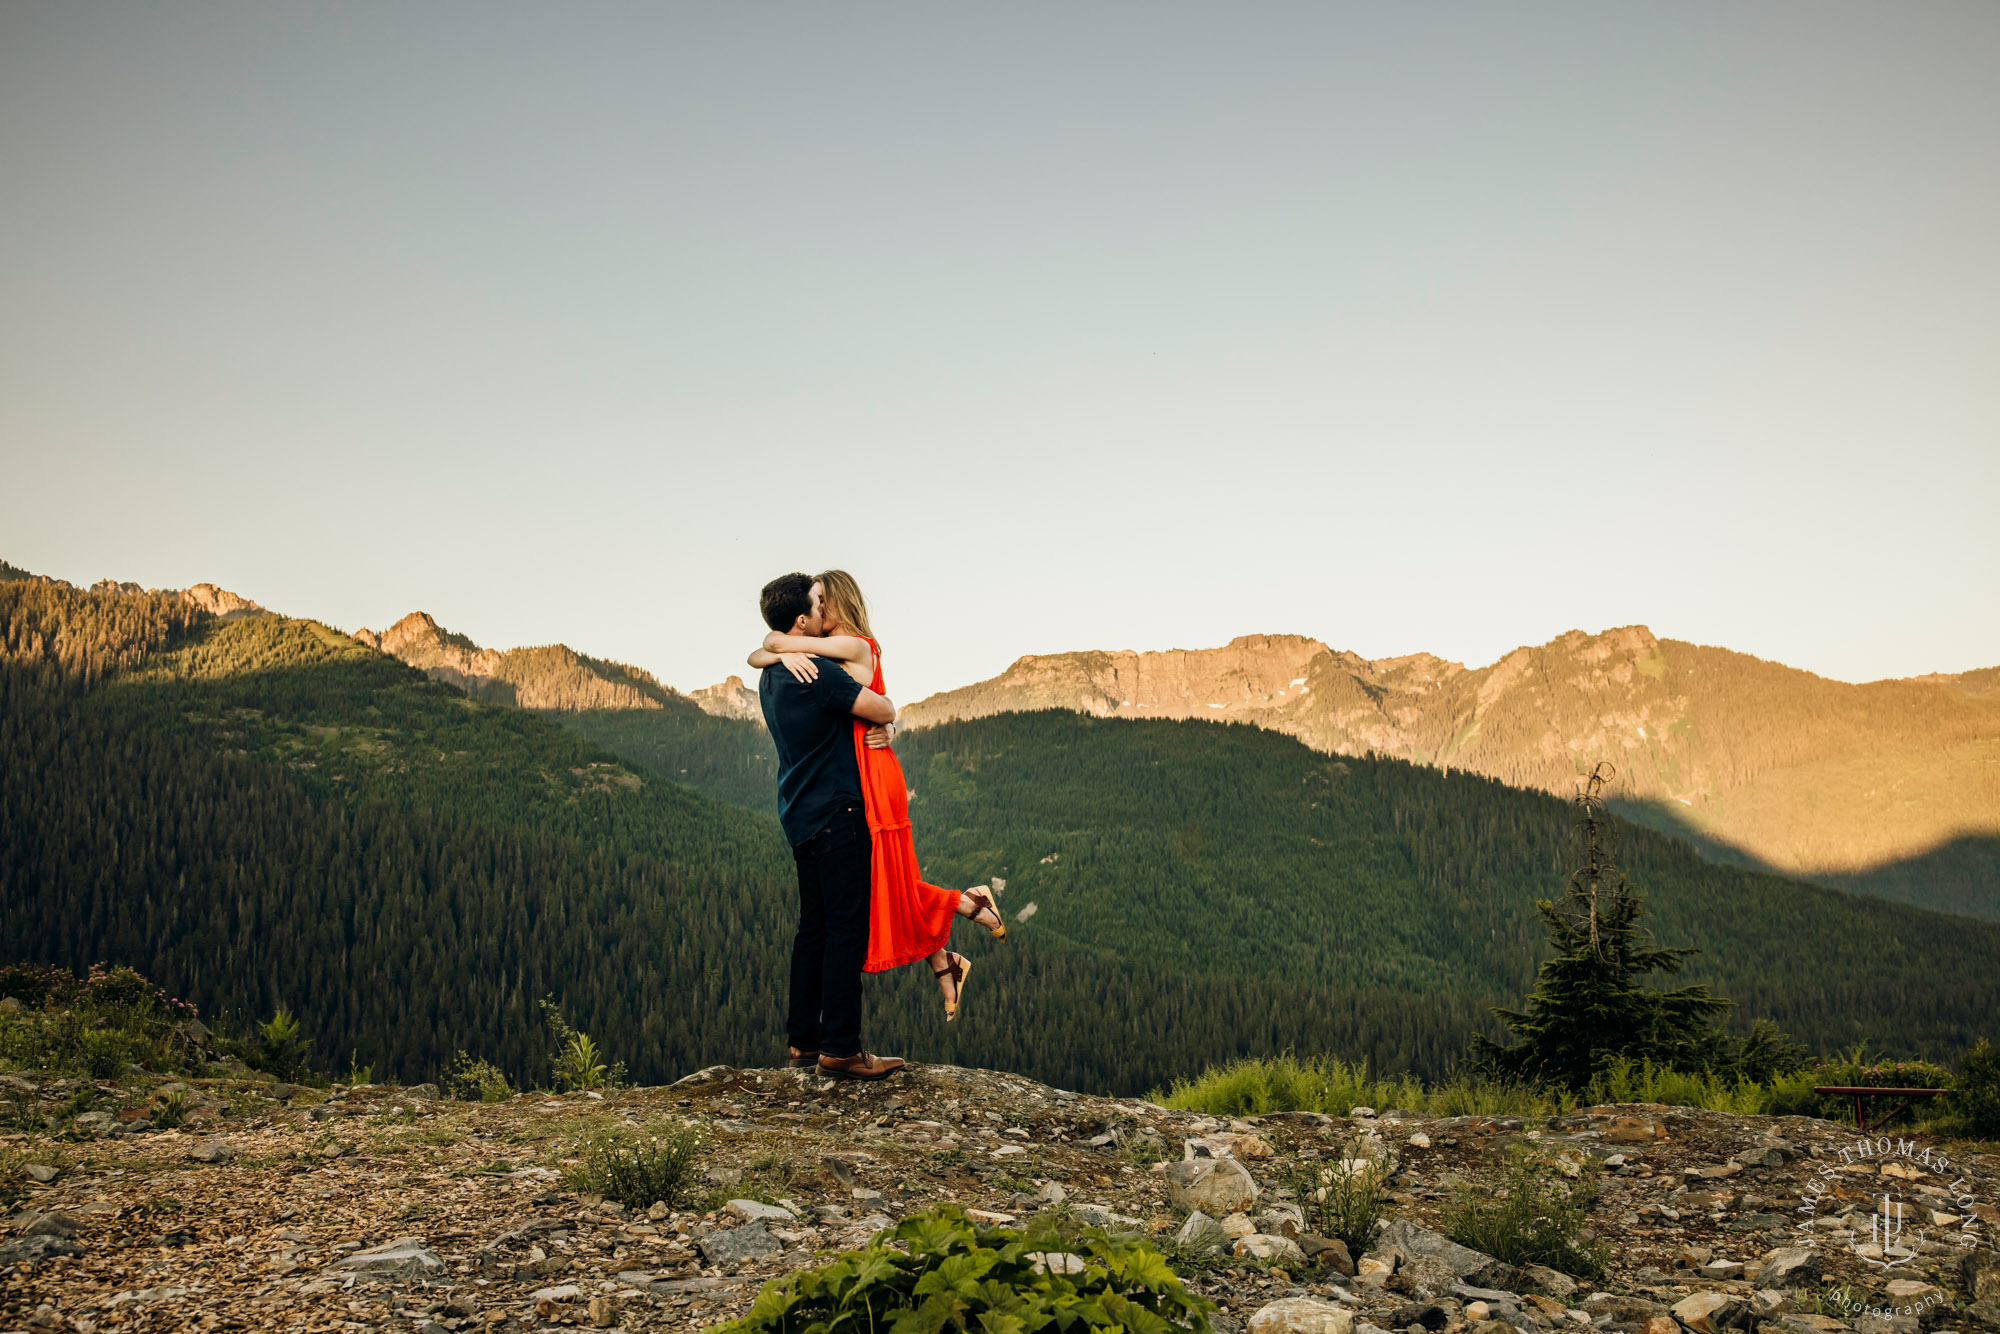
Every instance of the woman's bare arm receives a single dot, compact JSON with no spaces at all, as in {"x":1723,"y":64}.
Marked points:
{"x":841,"y":648}
{"x":800,"y":665}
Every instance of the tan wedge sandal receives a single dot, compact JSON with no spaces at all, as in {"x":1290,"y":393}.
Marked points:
{"x":983,"y":896}
{"x":960,"y":968}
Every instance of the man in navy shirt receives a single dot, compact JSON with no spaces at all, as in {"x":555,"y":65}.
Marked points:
{"x":820,"y":807}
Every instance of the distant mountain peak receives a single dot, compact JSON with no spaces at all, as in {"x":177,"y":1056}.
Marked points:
{"x":221,"y":602}
{"x":553,"y":678}
{"x":730,"y":699}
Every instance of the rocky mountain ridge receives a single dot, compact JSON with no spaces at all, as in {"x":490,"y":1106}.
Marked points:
{"x":275,"y":1205}
{"x":217,"y":602}
{"x":553,"y":678}
{"x":1806,"y":776}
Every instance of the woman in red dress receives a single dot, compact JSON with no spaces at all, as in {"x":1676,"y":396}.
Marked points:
{"x":907,"y":919}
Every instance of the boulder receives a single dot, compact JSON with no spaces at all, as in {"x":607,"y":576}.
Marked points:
{"x":1712,"y":1312}
{"x":1912,"y":1292}
{"x":423,"y":1092}
{"x":1552,"y":1281}
{"x":1662,"y":1324}
{"x":1717,"y":1270}
{"x":754,"y":1211}
{"x":49,"y":1225}
{"x":1979,"y":1271}
{"x":1200,"y":1232}
{"x":1273,"y":1218}
{"x":1096,"y":1215}
{"x":41,"y":1172}
{"x":1465,"y":1264}
{"x":1620,"y":1309}
{"x":1216,"y":1186}
{"x":212,"y":1151}
{"x":95,"y":1123}
{"x":33,"y":1250}
{"x":1264,"y":1246}
{"x":1302,"y":1315}
{"x":567,"y":1292}
{"x":1329,"y":1253}
{"x":1426,"y":1276}
{"x":1790,"y":1267}
{"x":405,"y":1257}
{"x":1428,"y":1315}
{"x":748,"y":1242}
{"x":1871,"y":1323}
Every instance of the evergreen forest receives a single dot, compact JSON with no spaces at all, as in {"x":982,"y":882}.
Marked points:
{"x":264,"y":812}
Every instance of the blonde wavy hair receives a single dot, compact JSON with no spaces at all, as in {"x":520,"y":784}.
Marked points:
{"x":842,"y":602}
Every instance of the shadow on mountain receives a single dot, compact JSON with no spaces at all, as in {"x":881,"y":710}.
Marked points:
{"x":1961,"y":875}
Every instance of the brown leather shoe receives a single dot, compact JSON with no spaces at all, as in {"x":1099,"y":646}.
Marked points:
{"x":859,"y":1066}
{"x":799,"y":1060}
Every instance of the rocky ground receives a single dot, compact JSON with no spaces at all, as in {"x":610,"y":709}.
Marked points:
{"x":291,"y":1209}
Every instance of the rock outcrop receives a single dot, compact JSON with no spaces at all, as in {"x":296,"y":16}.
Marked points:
{"x":731,"y":698}
{"x":554,"y":679}
{"x":221,"y":602}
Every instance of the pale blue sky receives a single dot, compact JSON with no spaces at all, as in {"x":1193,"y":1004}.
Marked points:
{"x":1438,"y":327}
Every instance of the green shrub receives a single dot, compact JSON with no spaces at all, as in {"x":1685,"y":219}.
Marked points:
{"x":641,"y":1167}
{"x":477,"y":1081}
{"x":282,"y":1051}
{"x":1530,"y":1212}
{"x":94,"y":1026}
{"x":1342,"y":1198}
{"x":1645,"y":1081}
{"x":1974,"y":1104}
{"x":172,"y":1110}
{"x":950,"y":1274}
{"x":577,"y":1063}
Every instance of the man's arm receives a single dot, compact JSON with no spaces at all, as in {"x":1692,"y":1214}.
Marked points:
{"x":873,"y":708}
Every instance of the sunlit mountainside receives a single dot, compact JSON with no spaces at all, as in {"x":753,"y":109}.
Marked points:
{"x":1891,"y":788}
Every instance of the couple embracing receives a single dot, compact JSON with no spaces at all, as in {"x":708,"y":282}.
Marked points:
{"x":845,"y":811}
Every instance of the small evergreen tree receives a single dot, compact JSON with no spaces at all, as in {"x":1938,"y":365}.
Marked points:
{"x":1588,"y":1007}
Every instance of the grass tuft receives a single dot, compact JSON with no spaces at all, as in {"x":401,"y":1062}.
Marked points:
{"x":652,"y":1165}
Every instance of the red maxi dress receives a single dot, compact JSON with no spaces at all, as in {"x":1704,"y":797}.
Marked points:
{"x":907,"y":919}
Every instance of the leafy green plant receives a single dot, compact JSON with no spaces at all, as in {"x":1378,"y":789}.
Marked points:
{"x":1530,"y":1212}
{"x":22,"y":1111}
{"x":172,"y":1110}
{"x":282,"y":1051}
{"x":641,"y":1167}
{"x":473,"y":1080}
{"x":937,"y":1271}
{"x":357,"y":1073}
{"x":1341,"y":1198}
{"x":577,"y":1062}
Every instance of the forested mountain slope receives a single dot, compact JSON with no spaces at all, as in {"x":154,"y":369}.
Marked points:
{"x":263,"y":811}
{"x":1757,"y":762}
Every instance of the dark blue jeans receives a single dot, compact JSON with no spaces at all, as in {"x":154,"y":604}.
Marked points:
{"x":832,"y":940}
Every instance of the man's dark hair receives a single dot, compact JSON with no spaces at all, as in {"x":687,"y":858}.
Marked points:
{"x":785,"y":599}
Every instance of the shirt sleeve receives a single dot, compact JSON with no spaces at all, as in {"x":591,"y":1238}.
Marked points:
{"x":835,"y":689}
